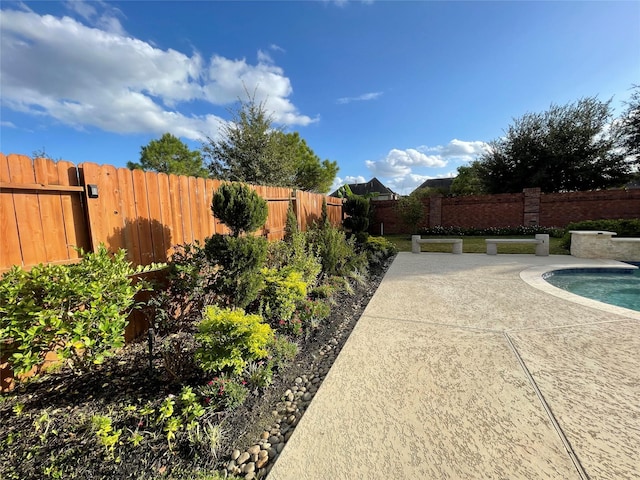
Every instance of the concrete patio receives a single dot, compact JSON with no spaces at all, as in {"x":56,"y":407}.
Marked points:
{"x":459,"y":368}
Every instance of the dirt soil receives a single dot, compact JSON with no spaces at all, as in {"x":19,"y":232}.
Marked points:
{"x":46,"y":428}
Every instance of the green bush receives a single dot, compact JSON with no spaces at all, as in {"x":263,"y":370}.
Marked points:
{"x":239,"y":208}
{"x":224,"y":393}
{"x":189,"y":287}
{"x":312,"y":312}
{"x":282,"y":350}
{"x":291,"y":225}
{"x":240,"y":259}
{"x":283,"y":290}
{"x":357,"y":209}
{"x":410,"y":210}
{"x":230,"y":339}
{"x":623,"y":228}
{"x":338,"y":255}
{"x":378,"y":249}
{"x":78,"y":310}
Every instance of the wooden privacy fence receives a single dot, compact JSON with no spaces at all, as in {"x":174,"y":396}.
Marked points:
{"x":47,"y":208}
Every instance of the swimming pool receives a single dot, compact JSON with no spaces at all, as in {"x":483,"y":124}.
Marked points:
{"x":619,"y":287}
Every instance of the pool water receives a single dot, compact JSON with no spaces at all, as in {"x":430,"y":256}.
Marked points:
{"x":612,"y":286}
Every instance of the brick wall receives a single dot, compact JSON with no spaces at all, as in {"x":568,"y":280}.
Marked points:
{"x":559,"y":209}
{"x":482,"y":211}
{"x":531,"y":207}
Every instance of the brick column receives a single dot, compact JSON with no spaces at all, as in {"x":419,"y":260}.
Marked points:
{"x":435,"y":211}
{"x":531,"y":206}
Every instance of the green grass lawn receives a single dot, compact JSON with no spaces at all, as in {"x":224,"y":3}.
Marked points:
{"x":476,"y":245}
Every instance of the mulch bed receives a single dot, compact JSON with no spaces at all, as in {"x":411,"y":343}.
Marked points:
{"x":45,"y":425}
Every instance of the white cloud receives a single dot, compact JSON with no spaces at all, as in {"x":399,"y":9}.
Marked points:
{"x":400,"y":168}
{"x":105,"y":19}
{"x":97,"y":77}
{"x":7,"y":124}
{"x":457,"y":149}
{"x":264,"y":57}
{"x":276,"y":48}
{"x":359,"y":98}
{"x":400,"y":162}
{"x":338,"y":182}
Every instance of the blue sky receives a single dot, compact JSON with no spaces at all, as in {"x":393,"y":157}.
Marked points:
{"x":403,"y":91}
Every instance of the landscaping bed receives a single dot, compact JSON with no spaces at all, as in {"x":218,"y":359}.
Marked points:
{"x":51,"y":427}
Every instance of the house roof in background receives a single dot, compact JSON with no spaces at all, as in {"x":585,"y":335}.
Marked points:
{"x":372,"y":186}
{"x":437,"y":183}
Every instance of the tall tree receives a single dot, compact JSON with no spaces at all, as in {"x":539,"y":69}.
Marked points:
{"x":566,"y":148}
{"x":309,"y":172}
{"x":170,"y":155}
{"x":630,"y":127}
{"x":246,"y":151}
{"x":252,"y":150}
{"x":468,"y":181}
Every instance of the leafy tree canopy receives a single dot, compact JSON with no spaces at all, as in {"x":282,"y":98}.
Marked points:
{"x":566,"y":148}
{"x":170,"y":155}
{"x":630,"y":126}
{"x":467,"y":182}
{"x":252,"y":150}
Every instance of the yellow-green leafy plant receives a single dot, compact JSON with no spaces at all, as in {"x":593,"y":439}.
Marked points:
{"x":283,"y":289}
{"x":229,"y":339}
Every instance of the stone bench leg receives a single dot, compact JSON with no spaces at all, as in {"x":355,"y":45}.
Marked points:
{"x":457,"y":248}
{"x":492,"y":249}
{"x":542,"y":248}
{"x":415,"y":246}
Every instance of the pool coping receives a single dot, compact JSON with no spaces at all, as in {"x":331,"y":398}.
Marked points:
{"x":534,"y":276}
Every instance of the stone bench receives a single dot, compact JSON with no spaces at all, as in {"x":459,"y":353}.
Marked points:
{"x":416,"y":241}
{"x":541,"y":242}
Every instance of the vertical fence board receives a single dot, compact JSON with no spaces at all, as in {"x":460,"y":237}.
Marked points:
{"x":10,"y":251}
{"x":166,"y":213}
{"x":75,"y":221}
{"x":206,"y":216}
{"x":142,"y":216}
{"x":27,"y":211}
{"x":155,"y":218}
{"x":193,"y":208}
{"x":129,"y":215}
{"x":100,"y":210}
{"x":177,"y":231}
{"x":51,"y":215}
{"x":185,"y":205}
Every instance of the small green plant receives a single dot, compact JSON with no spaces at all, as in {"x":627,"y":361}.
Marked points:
{"x":42,"y":425}
{"x":207,"y":436}
{"x":18,"y":408}
{"x":136,"y":438}
{"x":258,"y":374}
{"x":230,"y":339}
{"x":324,"y":291}
{"x":282,"y":350}
{"x":312,"y":312}
{"x":224,"y":393}
{"x":108,"y":437}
